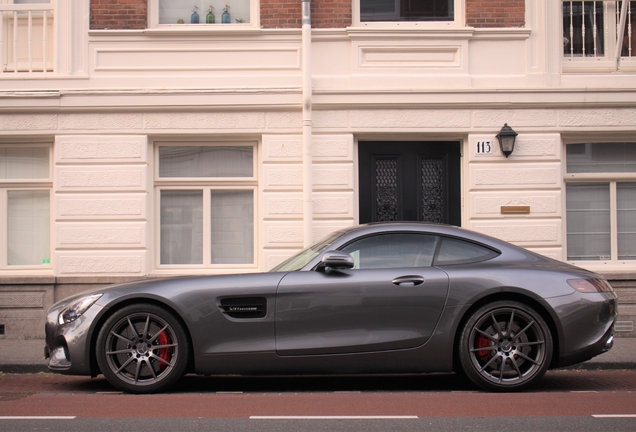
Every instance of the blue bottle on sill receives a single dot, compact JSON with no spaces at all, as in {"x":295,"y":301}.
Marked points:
{"x":194,"y":18}
{"x":225,"y":18}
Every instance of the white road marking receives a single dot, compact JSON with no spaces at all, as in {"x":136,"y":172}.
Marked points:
{"x":614,"y":415}
{"x":37,"y":417}
{"x":408,"y":417}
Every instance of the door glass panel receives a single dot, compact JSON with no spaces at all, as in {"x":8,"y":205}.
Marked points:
{"x":626,"y":206}
{"x":28,"y":227}
{"x":393,"y":251}
{"x":181,"y":227}
{"x":433,"y":190}
{"x":588,"y":221}
{"x":386,"y":190}
{"x":601,"y":157}
{"x":24,"y":163}
{"x":232,"y":227}
{"x":206,"y":161}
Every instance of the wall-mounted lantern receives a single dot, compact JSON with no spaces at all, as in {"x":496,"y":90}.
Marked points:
{"x":507,"y":137}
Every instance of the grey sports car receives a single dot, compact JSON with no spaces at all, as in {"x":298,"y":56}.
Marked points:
{"x":372,"y":299}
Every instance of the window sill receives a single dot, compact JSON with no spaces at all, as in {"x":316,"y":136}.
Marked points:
{"x":182,"y":29}
{"x":591,"y":65}
{"x":610,"y":269}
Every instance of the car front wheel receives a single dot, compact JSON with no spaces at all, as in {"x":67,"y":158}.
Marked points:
{"x":142,"y":348}
{"x":505,"y":346}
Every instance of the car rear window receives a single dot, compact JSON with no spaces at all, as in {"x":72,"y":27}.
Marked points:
{"x":454,"y":251}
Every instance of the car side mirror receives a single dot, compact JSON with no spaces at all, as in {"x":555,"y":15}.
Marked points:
{"x":336,"y":260}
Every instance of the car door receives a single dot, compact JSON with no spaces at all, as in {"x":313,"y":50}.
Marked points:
{"x":392,"y":299}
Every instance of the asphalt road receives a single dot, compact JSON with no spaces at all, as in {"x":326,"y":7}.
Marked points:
{"x":564,"y":401}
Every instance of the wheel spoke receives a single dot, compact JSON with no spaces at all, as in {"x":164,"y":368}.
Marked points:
{"x":156,"y":357}
{"x":524,"y":330}
{"x":488,"y":348}
{"x":152,"y":371}
{"x":529,"y":343}
{"x":520,"y":354}
{"x":516,"y":366}
{"x":510,"y":323}
{"x":503,"y":368}
{"x":489,"y":336}
{"x":495,"y":357}
{"x":132,"y":327}
{"x":123,"y":351}
{"x":496,"y":325}
{"x":126,"y":363}
{"x":137,"y":371}
{"x":147,"y":326}
{"x":152,"y":339}
{"x":156,"y":347}
{"x":117,"y":335}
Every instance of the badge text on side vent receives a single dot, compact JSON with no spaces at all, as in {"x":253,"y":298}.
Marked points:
{"x":244,"y":307}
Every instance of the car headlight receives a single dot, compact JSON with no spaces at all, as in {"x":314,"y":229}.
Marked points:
{"x":76,"y":309}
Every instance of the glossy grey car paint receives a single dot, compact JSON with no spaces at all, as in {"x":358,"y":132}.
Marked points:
{"x":376,"y":320}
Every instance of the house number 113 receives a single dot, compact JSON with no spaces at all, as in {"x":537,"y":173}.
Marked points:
{"x":484,"y":147}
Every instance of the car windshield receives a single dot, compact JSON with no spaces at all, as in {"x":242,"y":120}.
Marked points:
{"x":301,"y":259}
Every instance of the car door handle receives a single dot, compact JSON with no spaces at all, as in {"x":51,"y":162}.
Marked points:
{"x":410,"y":280}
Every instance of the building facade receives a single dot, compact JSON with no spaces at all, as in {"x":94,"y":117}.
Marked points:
{"x":151,"y":138}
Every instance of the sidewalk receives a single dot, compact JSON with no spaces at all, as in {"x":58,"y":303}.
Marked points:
{"x":27,"y":356}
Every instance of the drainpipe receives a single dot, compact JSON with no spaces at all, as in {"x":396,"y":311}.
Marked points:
{"x":621,"y":32}
{"x":308,"y":207}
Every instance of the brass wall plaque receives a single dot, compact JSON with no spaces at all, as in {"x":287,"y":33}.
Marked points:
{"x":515,"y":209}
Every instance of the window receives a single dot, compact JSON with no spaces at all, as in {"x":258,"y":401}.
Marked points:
{"x":590,"y":30}
{"x":27,"y":30}
{"x":407,"y":10}
{"x":25,"y":200}
{"x":601,"y":202}
{"x":393,"y":251}
{"x":202,"y":13}
{"x":454,"y":251}
{"x":206,"y":204}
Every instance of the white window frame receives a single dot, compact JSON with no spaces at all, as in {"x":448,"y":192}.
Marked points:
{"x":603,"y":177}
{"x":458,"y":21}
{"x":206,"y":185}
{"x":608,"y":62}
{"x":7,"y":185}
{"x":153,"y":20}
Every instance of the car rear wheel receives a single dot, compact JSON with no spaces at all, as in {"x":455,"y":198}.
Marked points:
{"x":505,"y":346}
{"x":142,"y":348}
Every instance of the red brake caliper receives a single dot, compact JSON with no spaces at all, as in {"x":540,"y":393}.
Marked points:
{"x":164,"y":353}
{"x":483,"y":342}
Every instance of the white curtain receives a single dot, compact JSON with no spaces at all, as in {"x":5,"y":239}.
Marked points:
{"x":181,"y":227}
{"x":232,"y":223}
{"x":205,"y":161}
{"x":28,"y":228}
{"x":626,"y":205}
{"x":588,"y":221}
{"x":24,"y":163}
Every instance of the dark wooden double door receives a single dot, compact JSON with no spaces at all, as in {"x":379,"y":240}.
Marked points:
{"x":409,"y":181}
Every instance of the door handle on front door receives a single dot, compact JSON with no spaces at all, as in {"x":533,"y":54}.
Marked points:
{"x":410,"y":280}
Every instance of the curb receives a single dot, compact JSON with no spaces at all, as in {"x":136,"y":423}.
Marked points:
{"x":23,"y":369}
{"x":601,"y":366}
{"x":40,"y":368}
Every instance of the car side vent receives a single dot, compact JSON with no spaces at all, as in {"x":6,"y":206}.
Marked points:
{"x":245,"y":307}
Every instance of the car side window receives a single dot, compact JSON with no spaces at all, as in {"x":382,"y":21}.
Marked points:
{"x":392,"y":251}
{"x":455,"y":251}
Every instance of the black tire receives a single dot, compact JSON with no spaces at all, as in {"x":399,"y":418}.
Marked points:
{"x":505,"y":346}
{"x":142,"y":348}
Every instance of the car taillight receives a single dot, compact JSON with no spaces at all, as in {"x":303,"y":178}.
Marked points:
{"x":590,"y":285}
